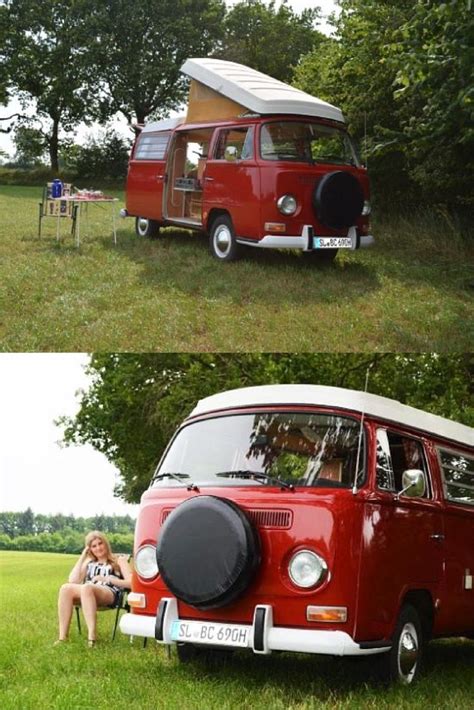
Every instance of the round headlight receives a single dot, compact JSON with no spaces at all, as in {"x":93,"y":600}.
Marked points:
{"x":145,"y":562}
{"x":306,"y":569}
{"x":287,"y":204}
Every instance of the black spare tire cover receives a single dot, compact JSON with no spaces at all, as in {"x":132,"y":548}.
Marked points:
{"x":208,"y":552}
{"x":338,"y":200}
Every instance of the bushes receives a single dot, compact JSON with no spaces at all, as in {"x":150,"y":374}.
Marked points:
{"x":69,"y":541}
{"x":101,"y":161}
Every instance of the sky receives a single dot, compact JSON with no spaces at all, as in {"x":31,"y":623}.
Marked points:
{"x":119,"y":124}
{"x":35,"y":472}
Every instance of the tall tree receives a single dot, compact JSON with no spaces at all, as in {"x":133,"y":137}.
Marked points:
{"x":136,"y":401}
{"x":267,"y":38}
{"x":139,"y":47}
{"x":45,"y":59}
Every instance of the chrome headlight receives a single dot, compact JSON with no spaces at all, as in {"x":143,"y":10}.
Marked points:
{"x":287,"y":204}
{"x":306,"y":569}
{"x":145,"y":562}
{"x":366,"y":209}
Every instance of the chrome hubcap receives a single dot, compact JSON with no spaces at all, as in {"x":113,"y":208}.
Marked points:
{"x":408,"y":653}
{"x":222,"y":240}
{"x":142,"y":225}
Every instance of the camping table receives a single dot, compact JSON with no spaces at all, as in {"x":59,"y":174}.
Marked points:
{"x":78,"y":201}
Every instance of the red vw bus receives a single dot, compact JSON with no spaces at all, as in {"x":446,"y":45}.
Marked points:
{"x":310,"y":519}
{"x":253,"y":162}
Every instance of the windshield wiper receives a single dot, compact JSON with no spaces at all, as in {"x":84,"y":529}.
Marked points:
{"x":176,"y":477}
{"x":256,"y":474}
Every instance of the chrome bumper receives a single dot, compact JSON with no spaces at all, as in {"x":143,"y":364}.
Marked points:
{"x":304,"y":240}
{"x":263,"y":637}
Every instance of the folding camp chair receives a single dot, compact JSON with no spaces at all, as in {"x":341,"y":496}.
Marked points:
{"x":122,"y":605}
{"x":57,"y":208}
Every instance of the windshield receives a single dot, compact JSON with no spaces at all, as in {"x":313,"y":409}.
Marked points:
{"x":264,"y":449}
{"x":306,"y":142}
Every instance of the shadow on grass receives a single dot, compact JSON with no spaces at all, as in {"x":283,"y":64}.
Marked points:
{"x":320,"y":676}
{"x":182,"y":261}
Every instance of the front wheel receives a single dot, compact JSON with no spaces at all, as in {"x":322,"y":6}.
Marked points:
{"x":402,"y":663}
{"x":222,"y":242}
{"x":147,"y":227}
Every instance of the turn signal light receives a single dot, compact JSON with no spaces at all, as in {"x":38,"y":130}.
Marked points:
{"x":275,"y":227}
{"x":136,"y":601}
{"x":331,"y":614}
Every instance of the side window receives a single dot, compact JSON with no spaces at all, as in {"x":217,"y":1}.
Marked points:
{"x":396,"y":454}
{"x":152,"y":146}
{"x":457,"y":471}
{"x":241,"y":139}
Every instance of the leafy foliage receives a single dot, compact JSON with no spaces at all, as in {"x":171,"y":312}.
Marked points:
{"x":139,"y":47}
{"x":30,"y":146}
{"x":62,"y":533}
{"x":403,"y":73}
{"x":254,"y":32}
{"x":101,"y":157}
{"x":136,"y":401}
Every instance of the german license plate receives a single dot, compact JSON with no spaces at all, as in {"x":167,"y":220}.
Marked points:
{"x":332,"y":243}
{"x":208,"y":633}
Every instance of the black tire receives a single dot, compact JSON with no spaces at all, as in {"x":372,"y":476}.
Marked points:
{"x":208,"y":552}
{"x":322,"y":257}
{"x":338,"y":200}
{"x":402,"y":663}
{"x":222,"y":241}
{"x":147,"y":227}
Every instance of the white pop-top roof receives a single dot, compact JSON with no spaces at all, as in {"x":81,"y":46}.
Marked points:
{"x":317,"y":395}
{"x":256,"y":91}
{"x":168,"y":124}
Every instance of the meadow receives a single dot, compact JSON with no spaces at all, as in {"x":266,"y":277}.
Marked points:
{"x":35,"y":675}
{"x":413,"y":291}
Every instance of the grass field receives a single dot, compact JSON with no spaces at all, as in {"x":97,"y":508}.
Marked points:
{"x":412,"y":291}
{"x":34,"y":675}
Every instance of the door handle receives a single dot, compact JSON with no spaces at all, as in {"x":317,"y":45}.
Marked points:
{"x":209,"y":179}
{"x":160,"y":177}
{"x":437,"y":536}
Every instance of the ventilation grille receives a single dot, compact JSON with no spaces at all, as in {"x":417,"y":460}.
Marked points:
{"x":260,"y":518}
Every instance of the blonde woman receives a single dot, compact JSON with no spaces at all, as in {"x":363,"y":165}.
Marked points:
{"x":95,"y":581}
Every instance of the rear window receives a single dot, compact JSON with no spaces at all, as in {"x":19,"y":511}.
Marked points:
{"x":458,"y":476}
{"x":152,"y":146}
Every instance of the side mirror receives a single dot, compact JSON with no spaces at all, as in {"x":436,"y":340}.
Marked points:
{"x":413,"y":483}
{"x":231,"y":153}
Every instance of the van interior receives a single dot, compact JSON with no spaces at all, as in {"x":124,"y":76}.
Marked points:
{"x":187,"y":157}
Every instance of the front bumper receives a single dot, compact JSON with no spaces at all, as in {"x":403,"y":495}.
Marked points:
{"x":305,"y":240}
{"x":263,"y":637}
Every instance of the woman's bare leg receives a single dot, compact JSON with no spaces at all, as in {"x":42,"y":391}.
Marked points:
{"x":93,"y":596}
{"x":68,"y":595}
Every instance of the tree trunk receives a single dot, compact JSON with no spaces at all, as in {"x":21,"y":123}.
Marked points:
{"x":54,"y":147}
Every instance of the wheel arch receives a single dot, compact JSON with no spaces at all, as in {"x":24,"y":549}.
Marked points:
{"x":214,"y":213}
{"x":422,"y":601}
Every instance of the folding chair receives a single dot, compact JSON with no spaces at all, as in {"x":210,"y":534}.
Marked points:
{"x":122,"y":605}
{"x":49,"y":207}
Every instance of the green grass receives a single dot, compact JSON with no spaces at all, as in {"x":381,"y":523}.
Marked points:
{"x":412,"y":291}
{"x":35,"y":675}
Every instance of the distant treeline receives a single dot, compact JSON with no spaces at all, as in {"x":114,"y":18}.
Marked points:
{"x":62,"y":533}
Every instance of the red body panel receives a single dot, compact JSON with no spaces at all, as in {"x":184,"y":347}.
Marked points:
{"x":144,"y":194}
{"x":378,"y":549}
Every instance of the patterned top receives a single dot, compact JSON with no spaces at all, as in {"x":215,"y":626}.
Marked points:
{"x":102,"y":569}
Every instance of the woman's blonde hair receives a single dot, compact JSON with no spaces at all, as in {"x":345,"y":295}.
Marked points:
{"x":93,"y":535}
